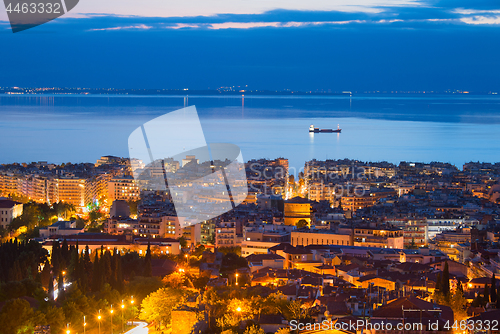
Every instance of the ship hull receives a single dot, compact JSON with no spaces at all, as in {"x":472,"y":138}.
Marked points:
{"x":325,"y":131}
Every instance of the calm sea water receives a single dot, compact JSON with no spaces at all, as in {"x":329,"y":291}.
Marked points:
{"x":453,"y":129}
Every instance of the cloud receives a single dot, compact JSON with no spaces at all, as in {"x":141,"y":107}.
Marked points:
{"x":485,"y":20}
{"x":139,"y":26}
{"x":392,"y":13}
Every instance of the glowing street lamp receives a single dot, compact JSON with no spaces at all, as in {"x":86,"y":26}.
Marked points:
{"x":84,"y":324}
{"x":236,"y":279}
{"x":238,"y":309}
{"x":111,"y":318}
{"x":99,"y":320}
{"x":123,"y":306}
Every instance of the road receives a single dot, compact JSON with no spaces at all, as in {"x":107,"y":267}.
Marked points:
{"x":141,"y":328}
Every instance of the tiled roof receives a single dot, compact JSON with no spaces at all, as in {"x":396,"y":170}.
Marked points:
{"x":260,"y":257}
{"x":288,"y":290}
{"x":481,"y":280}
{"x":7,"y":203}
{"x":394,"y":310}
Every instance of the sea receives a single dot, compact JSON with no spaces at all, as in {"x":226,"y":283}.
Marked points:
{"x":419,"y":128}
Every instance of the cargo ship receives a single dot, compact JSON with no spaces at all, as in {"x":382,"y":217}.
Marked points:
{"x":318,"y":130}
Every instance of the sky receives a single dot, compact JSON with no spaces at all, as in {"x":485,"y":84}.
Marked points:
{"x":386,"y":45}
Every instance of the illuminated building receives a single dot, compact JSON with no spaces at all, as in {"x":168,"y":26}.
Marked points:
{"x":9,"y":210}
{"x":378,"y":237}
{"x":354,"y":202}
{"x":71,"y":190}
{"x":9,"y":184}
{"x":123,"y":188}
{"x":226,"y":235}
{"x":296,"y":209}
{"x":319,"y":237}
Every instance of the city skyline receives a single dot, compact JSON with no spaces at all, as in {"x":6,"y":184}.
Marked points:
{"x":273,"y":167}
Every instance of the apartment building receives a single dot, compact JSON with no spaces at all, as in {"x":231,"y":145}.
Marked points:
{"x":320,"y":237}
{"x":257,"y":239}
{"x":9,"y":210}
{"x":123,"y":188}
{"x":366,"y":236}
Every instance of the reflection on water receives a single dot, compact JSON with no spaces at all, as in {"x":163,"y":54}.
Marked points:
{"x":79,"y":128}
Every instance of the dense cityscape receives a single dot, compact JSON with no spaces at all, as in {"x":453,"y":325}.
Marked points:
{"x":340,"y":246}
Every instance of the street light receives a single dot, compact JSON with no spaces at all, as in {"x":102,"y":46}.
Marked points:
{"x":111,"y":318}
{"x":99,"y":320}
{"x":123,"y":306}
{"x":236,"y":279}
{"x":84,"y":324}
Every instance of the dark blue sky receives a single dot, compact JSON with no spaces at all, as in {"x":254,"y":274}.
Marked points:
{"x":433,"y":46}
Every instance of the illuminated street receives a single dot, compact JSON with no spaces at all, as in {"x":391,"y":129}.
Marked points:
{"x":140,"y":329}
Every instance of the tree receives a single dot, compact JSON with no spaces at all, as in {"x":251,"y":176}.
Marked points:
{"x":302,"y":223}
{"x":458,"y":303}
{"x":174,"y":280}
{"x":16,"y":316}
{"x":412,"y":245}
{"x":140,"y":286}
{"x":55,"y":318}
{"x":275,"y":303}
{"x":118,"y":272}
{"x":486,"y":294}
{"x":96,"y":274}
{"x":236,"y":311}
{"x":254,"y":329}
{"x":295,"y":311}
{"x":445,"y":284}
{"x":60,"y":287}
{"x":158,"y":305}
{"x":439,"y":280}
{"x":45,"y":275}
{"x":133,"y":207}
{"x":183,"y":242}
{"x":148,"y":271}
{"x":493,"y":292}
{"x":283,"y":331}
